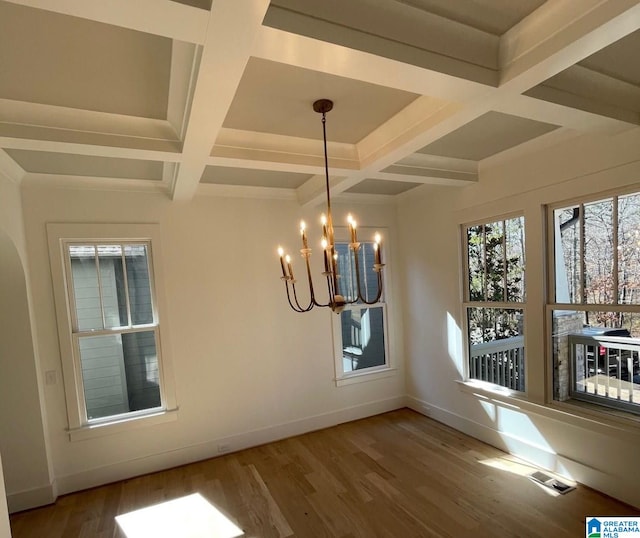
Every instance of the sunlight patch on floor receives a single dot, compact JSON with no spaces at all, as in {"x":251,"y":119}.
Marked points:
{"x":186,"y":517}
{"x":513,"y":465}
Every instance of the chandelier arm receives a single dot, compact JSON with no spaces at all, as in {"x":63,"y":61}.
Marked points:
{"x":329,"y":293}
{"x":295,"y":307}
{"x":312,"y":294}
{"x":295,"y":298}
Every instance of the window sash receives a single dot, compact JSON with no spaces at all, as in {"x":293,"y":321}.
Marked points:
{"x":503,"y":362}
{"x":130,"y":328}
{"x":465,"y":230}
{"x":339,"y":346}
{"x":585,"y":355}
{"x":552,"y":276}
{"x":72,"y":300}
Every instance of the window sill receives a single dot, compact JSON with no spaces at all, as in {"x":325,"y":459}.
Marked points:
{"x":368,"y":375}
{"x":91,"y":431}
{"x":584,"y":415}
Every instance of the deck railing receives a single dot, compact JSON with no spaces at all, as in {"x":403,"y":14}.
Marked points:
{"x":500,"y":362}
{"x":605,"y":369}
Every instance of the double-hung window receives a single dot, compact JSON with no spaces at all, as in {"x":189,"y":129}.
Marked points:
{"x":360,"y":330}
{"x":494,"y":302}
{"x":594,"y":303}
{"x":110,"y":334}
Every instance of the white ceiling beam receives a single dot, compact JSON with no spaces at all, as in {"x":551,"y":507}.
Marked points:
{"x":308,"y":53}
{"x":98,"y":183}
{"x":184,"y":70}
{"x":36,"y":115}
{"x":560,"y":34}
{"x":86,"y":148}
{"x":231,"y":32}
{"x":411,"y":36}
{"x":584,"y":103}
{"x":269,"y":147}
{"x":158,"y":17}
{"x":535,"y":109}
{"x":314,"y":191}
{"x":425,"y":180}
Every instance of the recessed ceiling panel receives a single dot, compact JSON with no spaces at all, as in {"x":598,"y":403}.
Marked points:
{"x":487,"y":135}
{"x":619,"y":60}
{"x":223,"y":175}
{"x":380,"y":186}
{"x":277,"y":98}
{"x":55,"y":59}
{"x":43,"y":162}
{"x":492,"y":16}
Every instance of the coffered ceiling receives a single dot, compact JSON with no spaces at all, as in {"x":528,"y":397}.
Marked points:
{"x":215,"y":97}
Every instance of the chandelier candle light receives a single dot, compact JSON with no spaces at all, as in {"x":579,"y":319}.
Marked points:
{"x":336,"y":301}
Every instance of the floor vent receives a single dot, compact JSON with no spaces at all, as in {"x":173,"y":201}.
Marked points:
{"x":550,"y":482}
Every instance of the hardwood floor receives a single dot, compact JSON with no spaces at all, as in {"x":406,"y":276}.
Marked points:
{"x":394,"y":475}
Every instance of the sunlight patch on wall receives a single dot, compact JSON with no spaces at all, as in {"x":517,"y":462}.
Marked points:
{"x":517,"y":424}
{"x":454,"y":344}
{"x":191,"y":516}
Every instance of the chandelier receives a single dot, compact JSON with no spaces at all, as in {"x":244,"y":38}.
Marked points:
{"x":335,"y":301}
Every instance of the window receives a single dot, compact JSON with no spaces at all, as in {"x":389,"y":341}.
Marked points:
{"x":109,"y":328}
{"x":360,"y":329}
{"x":595,"y":301}
{"x":494,"y":302}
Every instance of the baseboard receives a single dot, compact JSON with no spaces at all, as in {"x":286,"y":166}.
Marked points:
{"x":24,"y":500}
{"x":537,"y":455}
{"x":189,"y":454}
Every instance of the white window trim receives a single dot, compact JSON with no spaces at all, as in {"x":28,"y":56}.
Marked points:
{"x":60,"y":234}
{"x":377,"y":372}
{"x":466,"y":303}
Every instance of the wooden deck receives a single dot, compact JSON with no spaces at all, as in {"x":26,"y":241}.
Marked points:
{"x":394,"y":475}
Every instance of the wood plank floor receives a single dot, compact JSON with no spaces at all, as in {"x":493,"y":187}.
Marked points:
{"x":394,"y":475}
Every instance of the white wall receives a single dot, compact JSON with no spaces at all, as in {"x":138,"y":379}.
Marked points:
{"x":247,"y":368}
{"x":587,"y":449}
{"x":22,"y":431}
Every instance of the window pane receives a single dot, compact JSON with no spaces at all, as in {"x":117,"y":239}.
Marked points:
{"x":362,"y":338}
{"x":475,"y":248}
{"x":598,"y":252}
{"x":84,"y":275}
{"x":629,"y":249}
{"x":494,"y":261}
{"x":514,"y":231}
{"x":496,"y":346}
{"x":495,"y":254}
{"x":139,"y":284}
{"x":114,"y":300}
{"x":597,"y":357}
{"x":347,"y":281}
{"x":119,"y":373}
{"x":568,"y":260}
